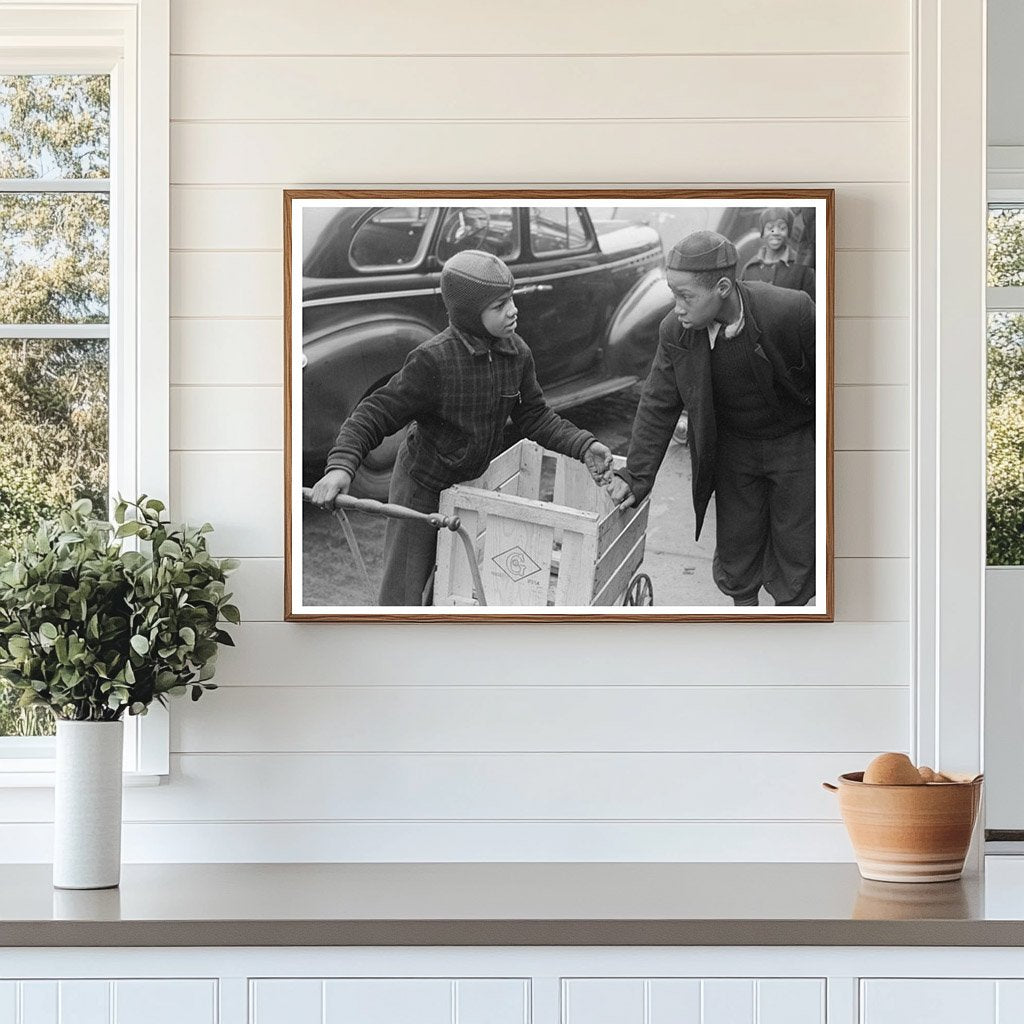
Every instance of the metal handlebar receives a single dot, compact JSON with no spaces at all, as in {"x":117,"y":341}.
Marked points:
{"x":346,"y":502}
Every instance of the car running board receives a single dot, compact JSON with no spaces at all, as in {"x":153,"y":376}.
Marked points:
{"x":576,"y":392}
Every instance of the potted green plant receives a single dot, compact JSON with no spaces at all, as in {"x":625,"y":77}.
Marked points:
{"x":93,"y":628}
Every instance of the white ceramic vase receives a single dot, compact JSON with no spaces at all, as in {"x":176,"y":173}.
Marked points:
{"x":87,"y":805}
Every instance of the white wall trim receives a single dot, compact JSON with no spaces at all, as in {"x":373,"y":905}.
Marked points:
{"x":949,"y":177}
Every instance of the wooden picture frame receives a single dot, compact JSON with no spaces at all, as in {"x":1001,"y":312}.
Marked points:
{"x":361,"y":291}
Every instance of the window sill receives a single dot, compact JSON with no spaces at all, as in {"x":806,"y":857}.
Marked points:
{"x":40,"y":774}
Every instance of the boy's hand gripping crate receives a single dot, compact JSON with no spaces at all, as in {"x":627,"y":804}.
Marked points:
{"x":546,"y":535}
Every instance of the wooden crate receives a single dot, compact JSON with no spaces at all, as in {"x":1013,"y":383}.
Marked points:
{"x":546,"y":535}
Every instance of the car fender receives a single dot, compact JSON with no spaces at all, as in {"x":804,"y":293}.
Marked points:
{"x":633,"y":331}
{"x":341,"y":367}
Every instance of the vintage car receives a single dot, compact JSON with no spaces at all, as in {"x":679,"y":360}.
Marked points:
{"x":590,"y":295}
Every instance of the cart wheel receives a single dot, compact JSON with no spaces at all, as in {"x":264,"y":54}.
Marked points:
{"x":640,"y":592}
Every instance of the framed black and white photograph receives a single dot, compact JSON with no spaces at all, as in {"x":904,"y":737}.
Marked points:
{"x":558,"y":405}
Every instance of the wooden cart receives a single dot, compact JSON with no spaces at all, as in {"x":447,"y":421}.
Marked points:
{"x":545,"y":534}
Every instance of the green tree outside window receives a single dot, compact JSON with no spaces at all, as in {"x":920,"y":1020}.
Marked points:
{"x":54,"y":279}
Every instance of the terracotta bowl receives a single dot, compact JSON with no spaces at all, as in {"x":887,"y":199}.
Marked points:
{"x":909,"y":833}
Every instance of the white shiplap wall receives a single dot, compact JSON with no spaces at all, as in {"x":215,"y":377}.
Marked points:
{"x":660,"y":741}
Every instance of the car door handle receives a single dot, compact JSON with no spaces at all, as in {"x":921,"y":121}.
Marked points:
{"x":529,"y":289}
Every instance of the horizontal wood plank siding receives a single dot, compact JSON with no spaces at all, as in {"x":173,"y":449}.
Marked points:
{"x":536,"y":26}
{"x":571,"y":153}
{"x":475,"y":88}
{"x":629,"y":741}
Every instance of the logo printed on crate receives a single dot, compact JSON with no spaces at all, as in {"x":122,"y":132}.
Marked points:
{"x":516,"y":564}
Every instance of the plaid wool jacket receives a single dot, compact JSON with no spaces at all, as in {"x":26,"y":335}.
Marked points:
{"x":458,"y":391}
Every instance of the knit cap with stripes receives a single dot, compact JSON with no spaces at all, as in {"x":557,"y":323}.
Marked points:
{"x":470,"y":281}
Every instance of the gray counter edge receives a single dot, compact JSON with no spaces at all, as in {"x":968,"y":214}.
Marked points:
{"x":511,"y":933}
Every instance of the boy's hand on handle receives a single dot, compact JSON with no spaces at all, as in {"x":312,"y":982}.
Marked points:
{"x":329,"y":486}
{"x":598,"y":459}
{"x":620,"y":493}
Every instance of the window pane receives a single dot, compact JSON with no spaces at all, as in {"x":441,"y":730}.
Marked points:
{"x":395,"y":237}
{"x":54,"y":126}
{"x":1005,"y":246}
{"x":54,"y":257}
{"x":15,"y":721}
{"x":53,"y":449}
{"x":53,"y":428}
{"x":555,"y":229}
{"x":1005,"y":483}
{"x":495,"y":229}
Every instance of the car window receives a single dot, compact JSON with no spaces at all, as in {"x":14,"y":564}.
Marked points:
{"x":555,"y":230}
{"x":392,"y":238}
{"x":494,"y":229}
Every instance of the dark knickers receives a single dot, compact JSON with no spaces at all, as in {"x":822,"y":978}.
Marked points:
{"x":410,"y":548}
{"x":764,"y":505}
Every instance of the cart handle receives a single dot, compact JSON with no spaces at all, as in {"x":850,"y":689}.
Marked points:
{"x":380,"y":508}
{"x":435,"y":519}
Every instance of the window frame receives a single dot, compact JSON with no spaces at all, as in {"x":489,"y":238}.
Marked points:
{"x":1004,"y":298}
{"x":130,"y":41}
{"x":589,"y":236}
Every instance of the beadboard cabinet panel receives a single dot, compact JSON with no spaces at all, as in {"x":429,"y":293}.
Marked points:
{"x":102,"y":1001}
{"x":87,"y":1002}
{"x":929,"y":1001}
{"x":493,"y":1001}
{"x":389,"y":1001}
{"x":789,"y":1001}
{"x":286,"y":1001}
{"x":693,"y":1001}
{"x":319,"y":26}
{"x":728,"y":1001}
{"x":166,"y":1002}
{"x":607,"y":151}
{"x":603,"y":1001}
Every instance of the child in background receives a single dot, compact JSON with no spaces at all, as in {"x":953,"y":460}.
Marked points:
{"x":457,"y":390}
{"x":776,"y":261}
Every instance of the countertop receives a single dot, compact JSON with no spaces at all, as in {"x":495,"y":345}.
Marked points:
{"x":489,"y":904}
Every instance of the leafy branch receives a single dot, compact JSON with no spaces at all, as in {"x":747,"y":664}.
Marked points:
{"x":92,"y":630}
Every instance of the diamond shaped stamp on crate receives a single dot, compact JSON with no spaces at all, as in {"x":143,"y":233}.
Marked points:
{"x":516,"y":564}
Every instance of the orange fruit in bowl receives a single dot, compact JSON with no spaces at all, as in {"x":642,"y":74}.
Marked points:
{"x":892,"y":770}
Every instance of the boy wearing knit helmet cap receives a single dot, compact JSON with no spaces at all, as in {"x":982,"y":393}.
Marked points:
{"x":457,"y":390}
{"x":739,"y":358}
{"x":777,"y":261}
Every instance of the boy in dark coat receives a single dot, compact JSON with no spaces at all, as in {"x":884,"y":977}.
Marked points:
{"x":776,"y":261}
{"x":458,"y":390}
{"x":739,"y":358}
